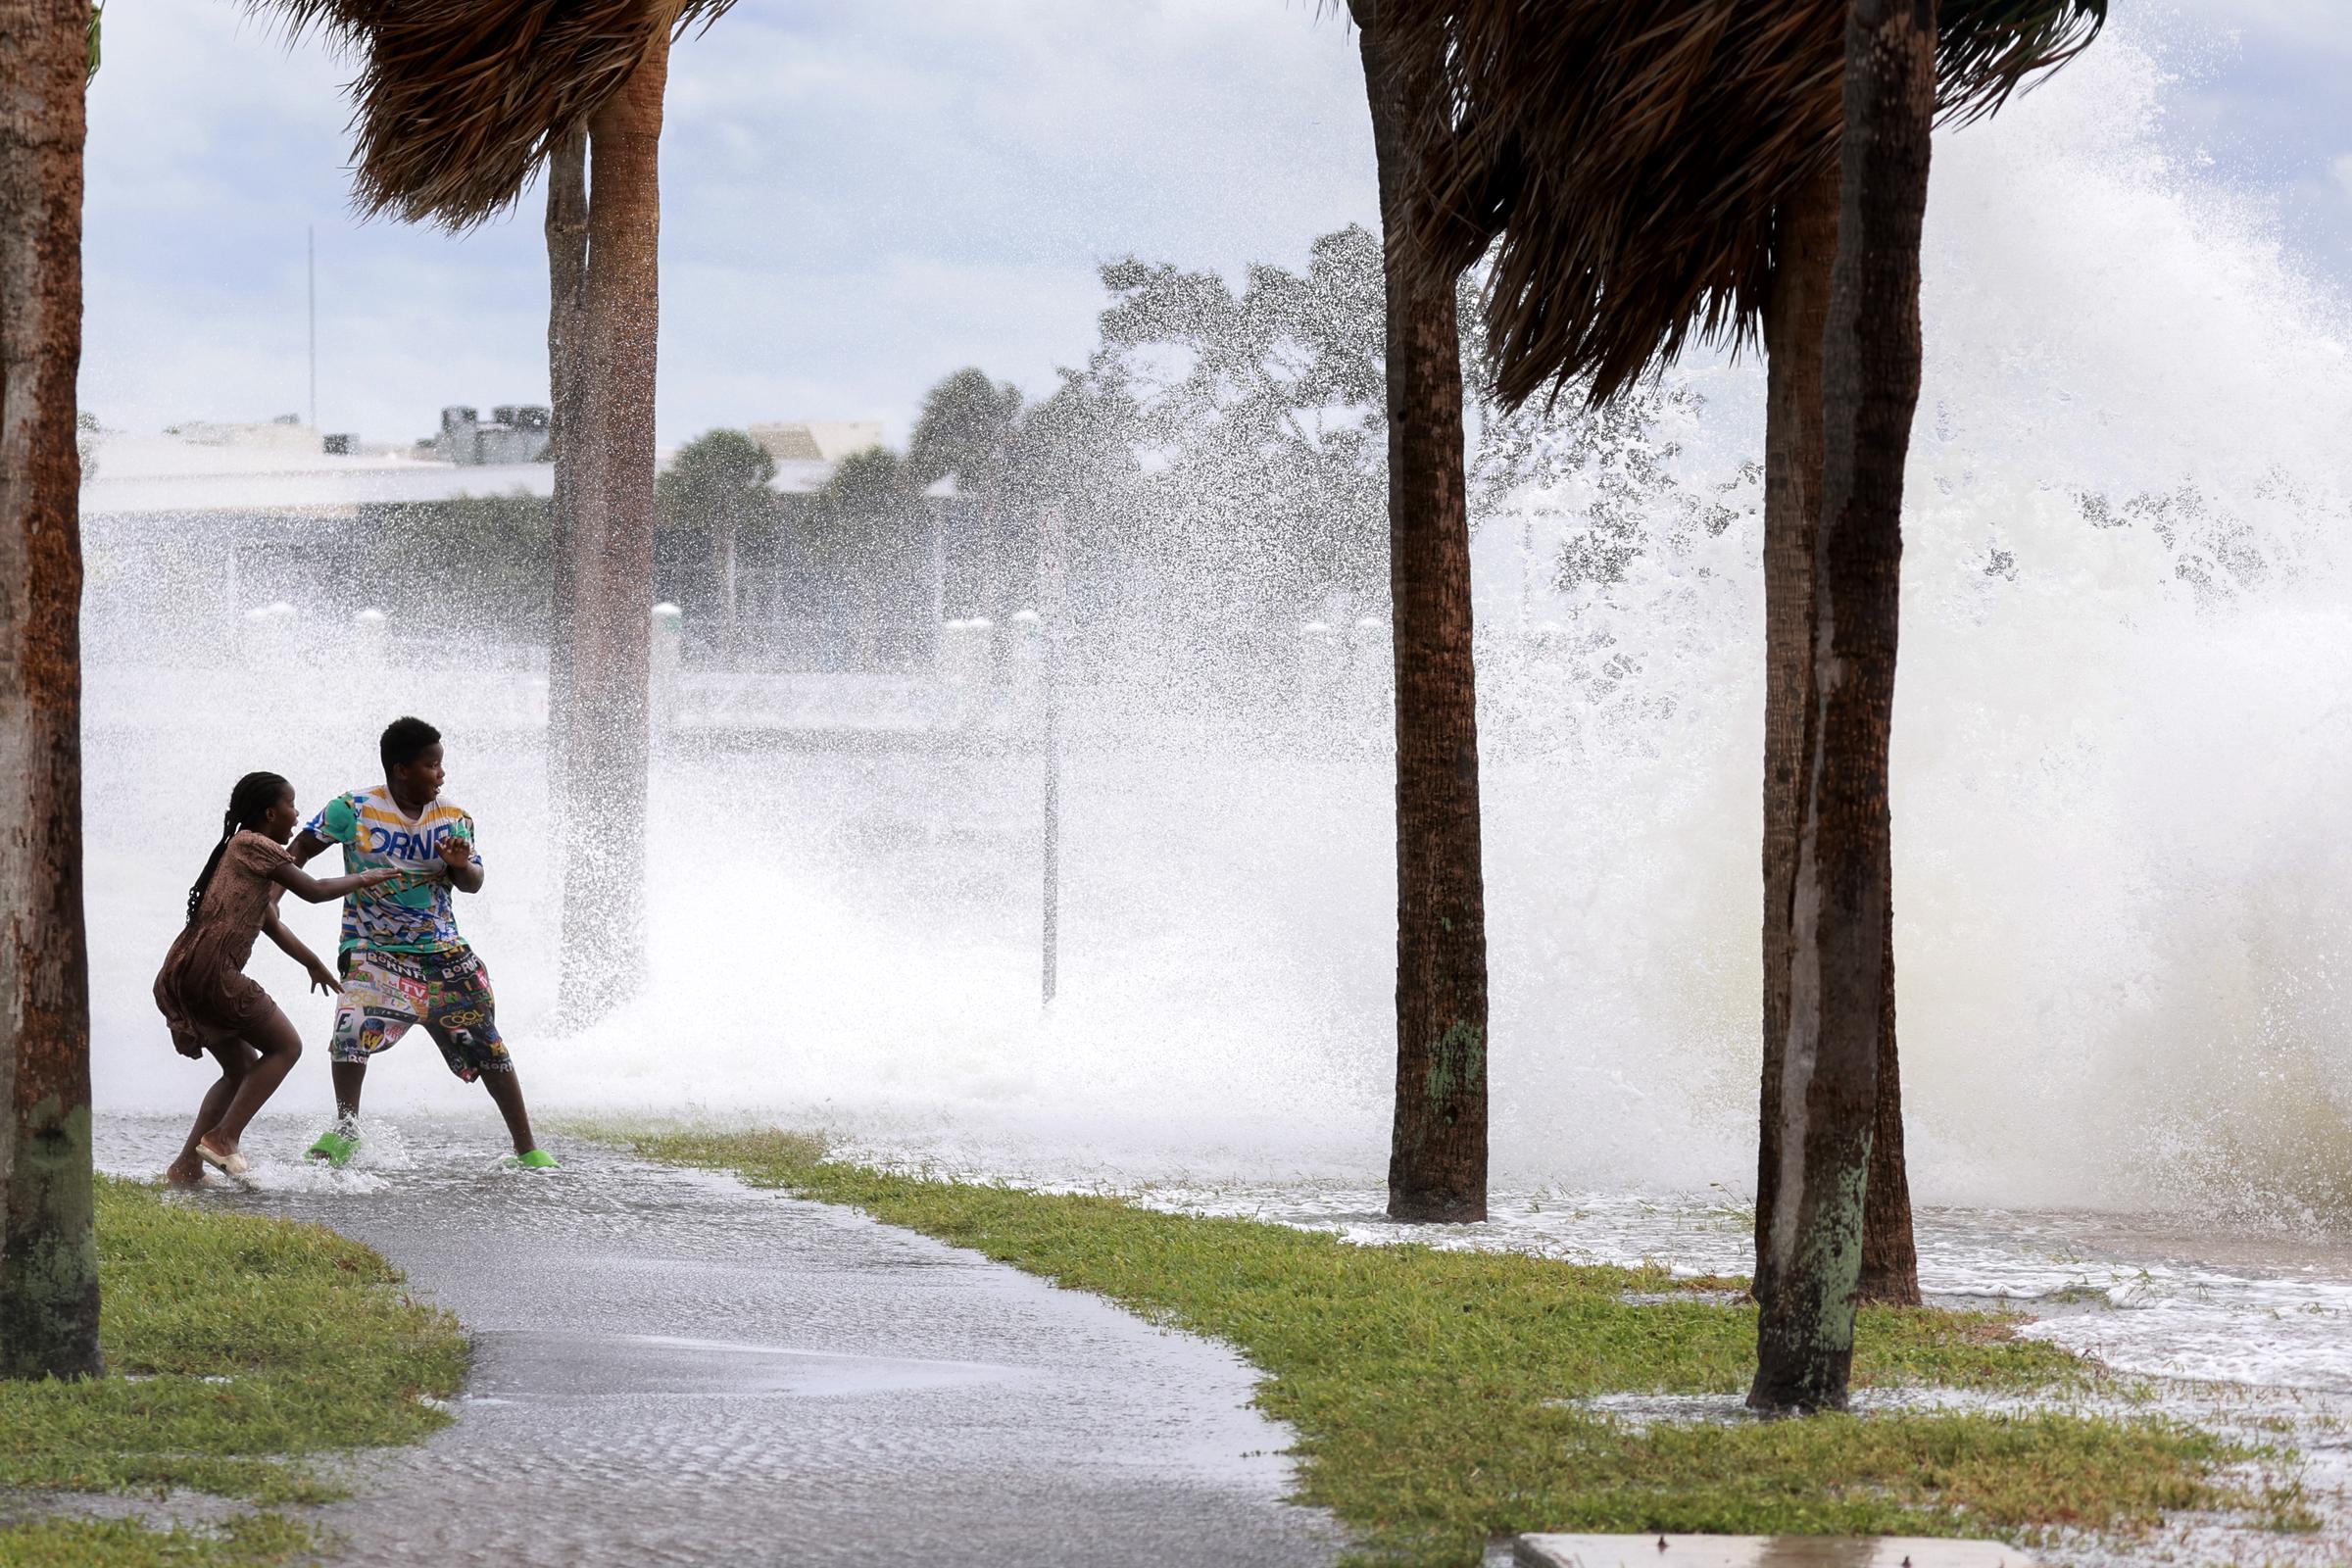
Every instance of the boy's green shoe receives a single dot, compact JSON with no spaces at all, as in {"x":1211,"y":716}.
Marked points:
{"x":337,"y":1146}
{"x":536,"y":1159}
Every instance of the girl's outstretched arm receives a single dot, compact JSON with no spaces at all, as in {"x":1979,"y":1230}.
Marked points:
{"x":321,"y":977}
{"x":320,"y":889}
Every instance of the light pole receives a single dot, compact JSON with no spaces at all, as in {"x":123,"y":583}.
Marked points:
{"x":1053,"y":574}
{"x":309,"y":265}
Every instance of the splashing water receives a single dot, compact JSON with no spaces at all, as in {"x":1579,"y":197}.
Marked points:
{"x":2120,"y":827}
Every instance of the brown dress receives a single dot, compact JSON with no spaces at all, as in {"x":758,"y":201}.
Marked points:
{"x":203,"y":988}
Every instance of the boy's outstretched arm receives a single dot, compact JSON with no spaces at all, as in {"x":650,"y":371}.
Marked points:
{"x":306,"y":848}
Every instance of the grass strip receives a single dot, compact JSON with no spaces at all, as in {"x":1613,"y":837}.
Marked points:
{"x":237,"y":1348}
{"x":252,"y":1540}
{"x":1436,"y":1394}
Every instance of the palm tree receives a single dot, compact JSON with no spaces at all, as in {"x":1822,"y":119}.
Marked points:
{"x":1796,"y":312}
{"x":565,"y":228}
{"x":1663,"y":171}
{"x":716,"y":486}
{"x":458,"y":105}
{"x":966,"y":432}
{"x":1841,"y":905}
{"x":48,"y":1246}
{"x":1438,"y":1141}
{"x":862,"y":528}
{"x":1985,"y":53}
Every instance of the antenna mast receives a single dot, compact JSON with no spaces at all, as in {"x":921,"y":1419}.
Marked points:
{"x":311,"y":268}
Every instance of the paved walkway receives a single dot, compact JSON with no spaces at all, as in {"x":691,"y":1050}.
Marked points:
{"x":674,"y":1368}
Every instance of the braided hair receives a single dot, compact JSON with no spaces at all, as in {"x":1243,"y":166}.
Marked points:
{"x":248,"y":803}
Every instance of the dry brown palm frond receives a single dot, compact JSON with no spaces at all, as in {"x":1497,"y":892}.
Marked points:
{"x":1628,"y":156}
{"x":458,"y":102}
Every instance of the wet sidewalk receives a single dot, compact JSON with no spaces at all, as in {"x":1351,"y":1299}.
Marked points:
{"x":674,"y":1368}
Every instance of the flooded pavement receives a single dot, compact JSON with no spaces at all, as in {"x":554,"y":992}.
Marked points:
{"x":668,"y":1359}
{"x":674,"y":1368}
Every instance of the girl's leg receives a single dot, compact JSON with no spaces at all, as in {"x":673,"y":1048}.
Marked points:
{"x":281,"y":1048}
{"x":234,"y":1056}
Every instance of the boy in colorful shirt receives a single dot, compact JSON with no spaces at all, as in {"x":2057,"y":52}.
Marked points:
{"x":403,"y":961}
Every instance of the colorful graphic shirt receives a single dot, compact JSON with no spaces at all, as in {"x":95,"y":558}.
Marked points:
{"x":406,"y":915}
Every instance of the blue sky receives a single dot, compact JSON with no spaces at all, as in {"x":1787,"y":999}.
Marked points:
{"x":861,"y":195}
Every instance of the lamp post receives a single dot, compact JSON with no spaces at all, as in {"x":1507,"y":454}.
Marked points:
{"x":1053,"y":574}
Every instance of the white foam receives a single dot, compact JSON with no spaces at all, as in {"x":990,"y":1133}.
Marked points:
{"x":2125,"y":899}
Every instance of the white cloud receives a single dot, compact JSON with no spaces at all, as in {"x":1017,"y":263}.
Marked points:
{"x":857,"y":198}
{"x":2323,"y":24}
{"x":859,"y":195}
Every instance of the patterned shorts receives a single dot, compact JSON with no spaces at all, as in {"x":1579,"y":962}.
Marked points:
{"x":384,"y":993}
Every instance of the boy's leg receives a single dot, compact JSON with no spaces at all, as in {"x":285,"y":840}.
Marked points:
{"x":340,"y":1142}
{"x":373,"y":1013}
{"x":464,"y":1023}
{"x":506,"y":1093}
{"x":350,"y":1078}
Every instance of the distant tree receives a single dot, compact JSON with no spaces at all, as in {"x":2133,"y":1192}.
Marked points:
{"x":720,"y":476}
{"x":1075,"y":447}
{"x":1606,"y":475}
{"x":965,"y":433}
{"x":1075,"y":452}
{"x":864,"y":531}
{"x":716,"y":486}
{"x":1265,"y":412}
{"x":507,"y":542}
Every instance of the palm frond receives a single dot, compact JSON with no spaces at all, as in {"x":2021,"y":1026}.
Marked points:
{"x":1997,"y":46}
{"x":1624,"y":156}
{"x":459,"y":101}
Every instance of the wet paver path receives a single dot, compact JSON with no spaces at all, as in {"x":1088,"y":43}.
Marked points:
{"x":674,"y":1368}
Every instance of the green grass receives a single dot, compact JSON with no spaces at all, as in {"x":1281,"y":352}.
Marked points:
{"x":1422,"y":1383}
{"x":254,"y":1540}
{"x":237,"y":1349}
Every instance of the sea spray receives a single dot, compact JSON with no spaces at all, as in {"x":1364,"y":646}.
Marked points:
{"x":2121,"y":742}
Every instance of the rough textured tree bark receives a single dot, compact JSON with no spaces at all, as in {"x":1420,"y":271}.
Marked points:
{"x":1437,"y":1148}
{"x":1840,"y":894}
{"x":566,"y":230}
{"x":602,"y":739}
{"x":1804,"y":249}
{"x":48,"y":1248}
{"x":1890,"y":1252}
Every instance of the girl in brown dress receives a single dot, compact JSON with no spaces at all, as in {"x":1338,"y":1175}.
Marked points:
{"x":205,"y":995}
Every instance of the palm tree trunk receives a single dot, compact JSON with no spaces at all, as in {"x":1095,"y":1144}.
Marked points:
{"x":1805,"y":245}
{"x":48,"y":1246}
{"x":1437,"y":1144}
{"x":602,"y":738}
{"x":567,"y":330}
{"x":1889,"y":1254}
{"x":1841,"y":893}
